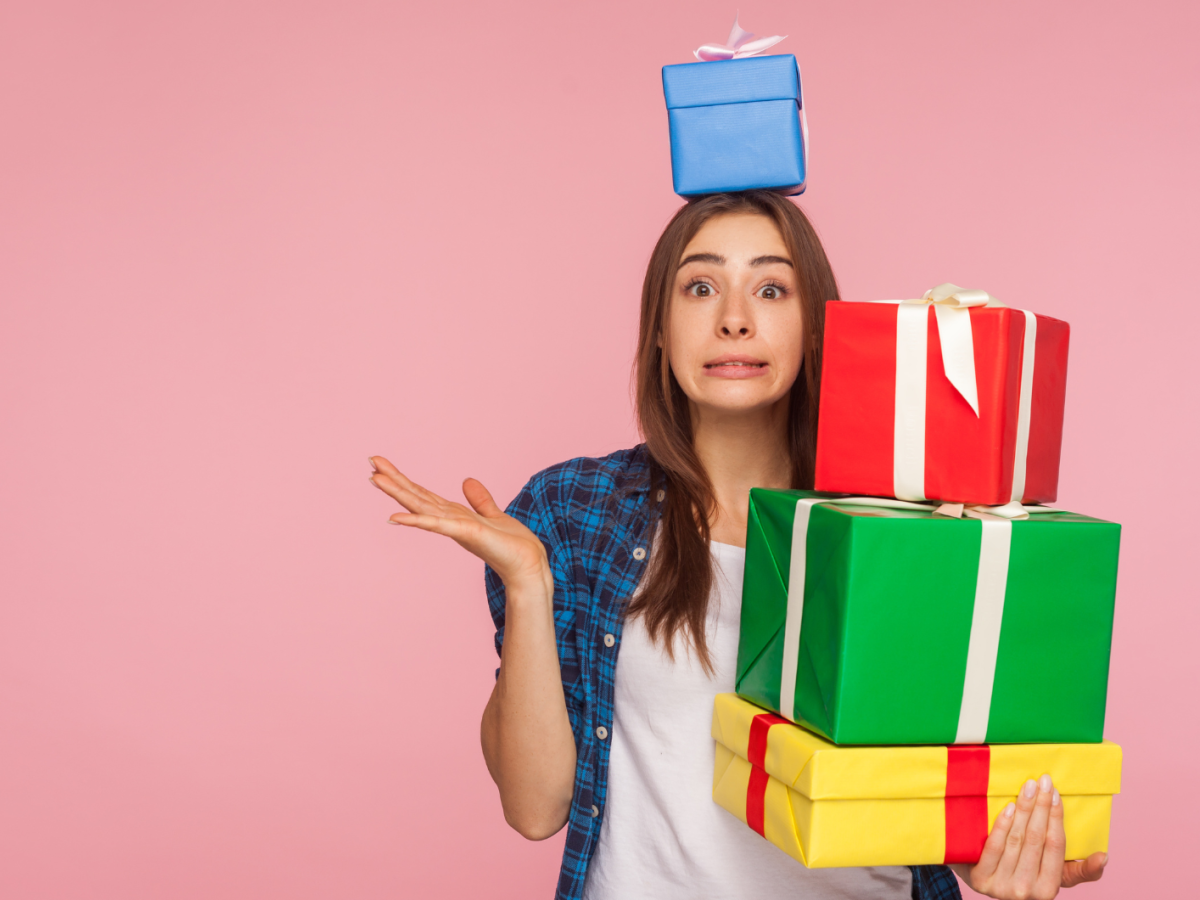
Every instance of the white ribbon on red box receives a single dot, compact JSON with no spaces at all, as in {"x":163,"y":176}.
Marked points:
{"x":952,"y":306}
{"x":991,"y":584}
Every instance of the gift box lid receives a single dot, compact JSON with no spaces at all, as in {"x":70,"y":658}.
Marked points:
{"x":822,"y":770}
{"x":724,"y":81}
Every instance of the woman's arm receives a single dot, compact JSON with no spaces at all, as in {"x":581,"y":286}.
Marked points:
{"x":526,"y":732}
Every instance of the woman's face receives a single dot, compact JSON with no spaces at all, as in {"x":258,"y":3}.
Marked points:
{"x":735,"y":331}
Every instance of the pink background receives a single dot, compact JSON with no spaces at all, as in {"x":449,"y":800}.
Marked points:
{"x":243,"y":245}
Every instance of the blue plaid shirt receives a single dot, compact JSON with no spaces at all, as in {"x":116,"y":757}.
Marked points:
{"x":595,"y":518}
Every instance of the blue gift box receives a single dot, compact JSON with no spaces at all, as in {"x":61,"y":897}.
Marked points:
{"x":736,"y":124}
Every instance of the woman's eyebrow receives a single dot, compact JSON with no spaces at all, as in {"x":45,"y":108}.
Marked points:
{"x":716,"y":258}
{"x":767,"y":260}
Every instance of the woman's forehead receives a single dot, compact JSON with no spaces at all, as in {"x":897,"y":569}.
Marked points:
{"x":736,"y":237}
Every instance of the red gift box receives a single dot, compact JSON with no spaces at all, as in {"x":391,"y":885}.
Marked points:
{"x":891,"y":426}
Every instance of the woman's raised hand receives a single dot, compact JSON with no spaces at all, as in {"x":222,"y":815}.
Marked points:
{"x":526,"y":730}
{"x":511,"y":549}
{"x":1023,"y":858}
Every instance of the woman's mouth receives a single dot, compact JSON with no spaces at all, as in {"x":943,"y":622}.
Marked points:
{"x":735,"y":367}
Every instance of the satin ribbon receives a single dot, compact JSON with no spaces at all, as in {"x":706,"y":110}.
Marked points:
{"x":756,"y":753}
{"x":968,"y":770}
{"x":952,"y":306}
{"x":991,"y":583}
{"x":741,"y":44}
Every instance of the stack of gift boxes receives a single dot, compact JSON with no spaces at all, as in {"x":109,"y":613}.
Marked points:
{"x":919,"y":636}
{"x":936,"y":636}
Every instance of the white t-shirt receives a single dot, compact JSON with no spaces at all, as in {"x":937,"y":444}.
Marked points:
{"x":662,"y":836}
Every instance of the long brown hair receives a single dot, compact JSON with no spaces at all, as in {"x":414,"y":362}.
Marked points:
{"x":675,"y":594}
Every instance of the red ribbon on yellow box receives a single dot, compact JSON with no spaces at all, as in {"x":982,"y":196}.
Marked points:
{"x":966,"y":791}
{"x":860,"y":806}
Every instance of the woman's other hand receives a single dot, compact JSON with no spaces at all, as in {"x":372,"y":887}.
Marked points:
{"x":1024,"y":857}
{"x":511,"y":549}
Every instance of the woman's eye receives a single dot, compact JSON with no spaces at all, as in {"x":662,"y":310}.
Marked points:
{"x":770,"y":292}
{"x":701,"y":290}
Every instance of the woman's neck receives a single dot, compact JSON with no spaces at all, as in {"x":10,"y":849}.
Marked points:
{"x":741,"y":451}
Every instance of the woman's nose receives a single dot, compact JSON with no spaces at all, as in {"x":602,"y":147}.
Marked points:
{"x":735,"y":318}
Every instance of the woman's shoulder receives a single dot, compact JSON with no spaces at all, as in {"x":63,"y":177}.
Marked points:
{"x":587,"y":480}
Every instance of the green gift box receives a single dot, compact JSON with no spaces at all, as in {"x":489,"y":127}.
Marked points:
{"x":918,"y":627}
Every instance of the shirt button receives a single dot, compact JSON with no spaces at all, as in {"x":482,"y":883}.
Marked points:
{"x":609,"y":640}
{"x":662,"y":495}
{"x":602,"y":732}
{"x":595,"y":810}
{"x":639,"y":554}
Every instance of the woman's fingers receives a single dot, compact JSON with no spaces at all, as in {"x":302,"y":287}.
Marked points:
{"x":413,"y":497}
{"x":382,"y":464}
{"x":984,"y":871}
{"x":1015,"y":839}
{"x":1029,"y":864}
{"x":403,"y":495}
{"x":481,"y":499}
{"x":463,"y":531}
{"x":384,"y":467}
{"x":417,"y":499}
{"x":1077,"y":871}
{"x":1049,"y":878}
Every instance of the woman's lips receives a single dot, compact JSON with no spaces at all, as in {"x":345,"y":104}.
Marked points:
{"x":735,"y":368}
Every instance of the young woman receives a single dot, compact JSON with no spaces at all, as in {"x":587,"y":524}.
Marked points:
{"x":615,"y":586}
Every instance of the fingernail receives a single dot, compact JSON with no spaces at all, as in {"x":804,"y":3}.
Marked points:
{"x":1055,"y":799}
{"x":393,"y":522}
{"x":1104,"y":861}
{"x":1030,"y":788}
{"x":1009,"y":810}
{"x":1045,"y":784}
{"x":371,"y":461}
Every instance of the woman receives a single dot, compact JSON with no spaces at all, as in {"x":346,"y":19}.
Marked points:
{"x":616,"y":745}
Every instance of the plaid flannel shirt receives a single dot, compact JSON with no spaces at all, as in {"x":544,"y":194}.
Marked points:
{"x":595,"y":518}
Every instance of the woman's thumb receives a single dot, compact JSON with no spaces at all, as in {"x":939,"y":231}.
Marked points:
{"x":480,"y":499}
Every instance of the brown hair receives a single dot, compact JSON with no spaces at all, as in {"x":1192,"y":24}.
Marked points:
{"x":675,"y":594}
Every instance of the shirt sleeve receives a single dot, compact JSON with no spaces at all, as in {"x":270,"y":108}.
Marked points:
{"x":534,"y":507}
{"x":935,"y":883}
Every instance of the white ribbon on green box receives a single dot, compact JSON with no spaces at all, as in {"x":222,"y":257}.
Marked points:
{"x":988,"y":611}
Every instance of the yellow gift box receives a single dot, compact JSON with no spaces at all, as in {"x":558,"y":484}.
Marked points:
{"x":829,"y":806}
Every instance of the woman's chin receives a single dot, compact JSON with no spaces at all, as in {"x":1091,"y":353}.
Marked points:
{"x":738,"y":397}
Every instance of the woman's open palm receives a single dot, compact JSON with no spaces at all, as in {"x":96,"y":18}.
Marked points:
{"x":511,"y":549}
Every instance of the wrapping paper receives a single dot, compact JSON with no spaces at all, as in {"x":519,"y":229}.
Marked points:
{"x":736,"y":124}
{"x":969,"y":455}
{"x":876,"y":806}
{"x":896,"y":606}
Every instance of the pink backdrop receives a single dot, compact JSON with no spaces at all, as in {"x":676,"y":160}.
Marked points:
{"x":243,"y":245}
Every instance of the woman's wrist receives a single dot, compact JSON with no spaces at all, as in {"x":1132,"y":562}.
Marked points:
{"x":533,"y":589}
